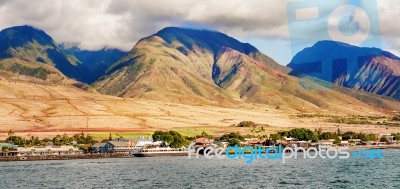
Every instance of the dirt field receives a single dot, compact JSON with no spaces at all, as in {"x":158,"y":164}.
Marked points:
{"x":45,"y":111}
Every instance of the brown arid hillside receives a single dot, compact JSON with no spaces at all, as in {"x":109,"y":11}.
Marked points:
{"x":205,"y":67}
{"x":44,"y":110}
{"x":190,"y":66}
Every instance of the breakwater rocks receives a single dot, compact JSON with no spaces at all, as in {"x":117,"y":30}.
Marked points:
{"x":63,"y":157}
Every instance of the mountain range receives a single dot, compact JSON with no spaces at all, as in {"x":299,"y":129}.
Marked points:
{"x":367,"y":69}
{"x":208,"y":67}
{"x":28,"y":51}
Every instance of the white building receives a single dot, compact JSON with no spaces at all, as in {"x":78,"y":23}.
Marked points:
{"x":45,"y":150}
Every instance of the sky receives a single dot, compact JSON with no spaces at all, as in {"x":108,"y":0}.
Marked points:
{"x":278,"y":28}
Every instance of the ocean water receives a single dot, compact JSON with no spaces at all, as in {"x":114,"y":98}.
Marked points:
{"x":181,"y":172}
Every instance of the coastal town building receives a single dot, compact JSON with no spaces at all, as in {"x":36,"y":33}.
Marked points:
{"x":389,"y":137}
{"x":7,"y":147}
{"x":44,"y":151}
{"x":325,"y":143}
{"x":355,"y":142}
{"x":124,"y":145}
{"x":344,"y":143}
{"x":203,"y":143}
{"x":143,"y":141}
{"x":95,"y":148}
{"x":118,"y":147}
{"x":222,"y":144}
{"x":254,"y":141}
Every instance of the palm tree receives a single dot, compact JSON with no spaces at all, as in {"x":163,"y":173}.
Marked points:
{"x":10,"y":136}
{"x":10,"y":133}
{"x":253,"y":130}
{"x":65,"y":139}
{"x":110,"y":138}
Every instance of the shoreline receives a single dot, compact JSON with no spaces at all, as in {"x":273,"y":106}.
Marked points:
{"x":63,"y":157}
{"x":111,"y":156}
{"x":374,"y":147}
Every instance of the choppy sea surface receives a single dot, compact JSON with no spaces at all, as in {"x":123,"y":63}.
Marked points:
{"x":181,"y":172}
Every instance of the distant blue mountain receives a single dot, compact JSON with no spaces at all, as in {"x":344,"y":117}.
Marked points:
{"x":369,"y":69}
{"x":96,"y":62}
{"x":36,"y":47}
{"x":18,"y":36}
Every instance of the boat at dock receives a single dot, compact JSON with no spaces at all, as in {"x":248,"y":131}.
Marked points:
{"x":159,"y":151}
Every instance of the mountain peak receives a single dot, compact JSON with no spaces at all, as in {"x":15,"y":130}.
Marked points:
{"x":18,"y":36}
{"x":181,"y":64}
{"x":211,"y":40}
{"x":332,"y":44}
{"x":24,"y":28}
{"x":368,"y":69}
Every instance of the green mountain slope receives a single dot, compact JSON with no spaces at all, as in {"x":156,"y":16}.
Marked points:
{"x":207,"y":67}
{"x":37,"y":49}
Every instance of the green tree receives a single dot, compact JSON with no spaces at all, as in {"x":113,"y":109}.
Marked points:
{"x":352,"y":135}
{"x":232,"y":138}
{"x":172,"y":138}
{"x":163,"y":136}
{"x":66,"y":139}
{"x":337,"y":141}
{"x":384,"y":139}
{"x":338,"y":132}
{"x":17,"y":140}
{"x":35,"y":141}
{"x":303,"y":134}
{"x":369,"y":137}
{"x":46,"y":141}
{"x":205,"y":135}
{"x":276,"y":137}
{"x":57,"y":140}
{"x":5,"y":149}
{"x":89,"y":140}
{"x":10,"y":136}
{"x":328,"y":135}
{"x":84,"y":148}
{"x":178,"y":141}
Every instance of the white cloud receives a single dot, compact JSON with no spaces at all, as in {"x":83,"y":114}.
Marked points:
{"x":94,"y":24}
{"x":390,"y":29}
{"x":120,"y":23}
